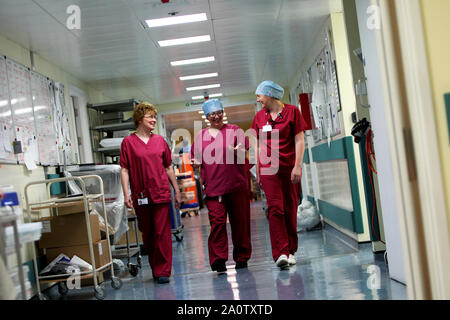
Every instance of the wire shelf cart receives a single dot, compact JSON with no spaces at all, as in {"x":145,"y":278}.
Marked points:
{"x":132,"y":250}
{"x":84,"y":198}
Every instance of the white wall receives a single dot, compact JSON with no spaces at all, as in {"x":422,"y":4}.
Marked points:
{"x":381,"y":144}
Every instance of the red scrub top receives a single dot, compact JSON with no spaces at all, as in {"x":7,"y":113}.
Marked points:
{"x":146,"y":164}
{"x":289,"y":123}
{"x":221,"y":178}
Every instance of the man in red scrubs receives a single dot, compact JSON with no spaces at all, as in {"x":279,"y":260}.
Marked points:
{"x":220,"y":153}
{"x":280,"y":130}
{"x":146,"y":162}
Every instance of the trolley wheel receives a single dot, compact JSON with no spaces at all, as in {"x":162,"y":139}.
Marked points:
{"x":62,"y":288}
{"x":179,"y":238}
{"x":139,"y":261}
{"x":116,"y":283}
{"x":42,"y":297}
{"x":133,"y":269}
{"x":99,"y":293}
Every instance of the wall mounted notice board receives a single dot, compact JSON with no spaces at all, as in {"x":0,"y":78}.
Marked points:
{"x":33,"y":117}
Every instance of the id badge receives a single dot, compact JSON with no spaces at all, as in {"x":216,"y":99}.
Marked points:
{"x":267,"y":128}
{"x":142,"y":202}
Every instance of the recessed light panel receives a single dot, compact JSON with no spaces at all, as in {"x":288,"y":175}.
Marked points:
{"x":153,"y":23}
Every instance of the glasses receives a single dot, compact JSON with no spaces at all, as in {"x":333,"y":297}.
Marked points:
{"x":150,"y":116}
{"x":217,"y":113}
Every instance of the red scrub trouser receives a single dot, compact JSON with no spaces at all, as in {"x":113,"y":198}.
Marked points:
{"x":154,"y":223}
{"x":282,"y":201}
{"x":237,"y":204}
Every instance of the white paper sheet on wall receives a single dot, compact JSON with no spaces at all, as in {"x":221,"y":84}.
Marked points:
{"x":29,"y":161}
{"x":45,"y":129}
{"x":22,"y":108}
{"x":325,"y":103}
{"x":6,"y":128}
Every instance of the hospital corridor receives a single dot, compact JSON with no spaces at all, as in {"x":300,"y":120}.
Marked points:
{"x":329,"y":266}
{"x":197,"y":154}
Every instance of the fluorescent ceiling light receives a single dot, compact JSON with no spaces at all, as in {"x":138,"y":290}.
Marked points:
{"x":203,"y":117}
{"x":201,"y":112}
{"x":209,"y":86}
{"x":180,"y":41}
{"x":225,"y":122}
{"x":215,"y":95}
{"x":225,"y":118}
{"x":199,"y":76}
{"x":152,"y":23}
{"x":191,"y":61}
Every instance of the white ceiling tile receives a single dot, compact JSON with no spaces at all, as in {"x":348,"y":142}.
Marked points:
{"x":252,"y":40}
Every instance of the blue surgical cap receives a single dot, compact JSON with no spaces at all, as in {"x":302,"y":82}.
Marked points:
{"x":212,"y":105}
{"x":270,"y":89}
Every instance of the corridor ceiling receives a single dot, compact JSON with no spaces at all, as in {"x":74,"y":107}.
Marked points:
{"x":115,"y":52}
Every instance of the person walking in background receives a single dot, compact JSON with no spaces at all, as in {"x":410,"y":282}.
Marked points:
{"x":280,"y":179}
{"x":146,"y":162}
{"x":220,"y":153}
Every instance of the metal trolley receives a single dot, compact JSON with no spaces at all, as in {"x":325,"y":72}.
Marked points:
{"x":175,"y":219}
{"x":61,"y":279}
{"x":131,"y":250}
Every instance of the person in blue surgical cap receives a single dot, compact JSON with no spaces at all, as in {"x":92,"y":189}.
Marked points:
{"x":220,"y":152}
{"x":281,"y":184}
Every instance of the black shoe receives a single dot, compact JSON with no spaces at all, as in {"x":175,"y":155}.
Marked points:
{"x":219,"y":266}
{"x":241,"y":265}
{"x":163,"y":280}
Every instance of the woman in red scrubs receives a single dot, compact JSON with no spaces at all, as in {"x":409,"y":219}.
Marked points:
{"x":146,"y":162}
{"x":280,"y":175}
{"x":220,"y":153}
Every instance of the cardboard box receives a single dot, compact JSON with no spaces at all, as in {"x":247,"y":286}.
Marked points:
{"x":71,"y":208}
{"x":68,"y":230}
{"x":101,"y":253}
{"x":131,"y":235}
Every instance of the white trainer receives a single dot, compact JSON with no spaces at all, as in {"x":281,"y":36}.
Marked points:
{"x":282,"y":261}
{"x":292,"y":259}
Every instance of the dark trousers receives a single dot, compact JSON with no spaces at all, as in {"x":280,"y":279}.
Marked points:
{"x":237,"y":205}
{"x":154,"y":223}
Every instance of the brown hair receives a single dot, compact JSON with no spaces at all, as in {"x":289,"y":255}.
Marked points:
{"x":141,"y":110}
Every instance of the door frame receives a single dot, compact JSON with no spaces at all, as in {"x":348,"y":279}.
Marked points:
{"x":420,"y":103}
{"x":415,"y":154}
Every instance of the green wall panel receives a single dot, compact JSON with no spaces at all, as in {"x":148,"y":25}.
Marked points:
{"x":306,"y":157}
{"x":339,"y":150}
{"x":338,"y":215}
{"x":357,"y":216}
{"x":334,"y":152}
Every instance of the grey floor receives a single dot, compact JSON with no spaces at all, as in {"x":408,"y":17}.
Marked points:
{"x":329,"y":267}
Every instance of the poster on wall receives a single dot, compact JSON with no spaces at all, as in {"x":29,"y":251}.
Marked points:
{"x":62,"y":121}
{"x":41,"y":89}
{"x":6,"y":125}
{"x":321,"y":79}
{"x":22,"y":112}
